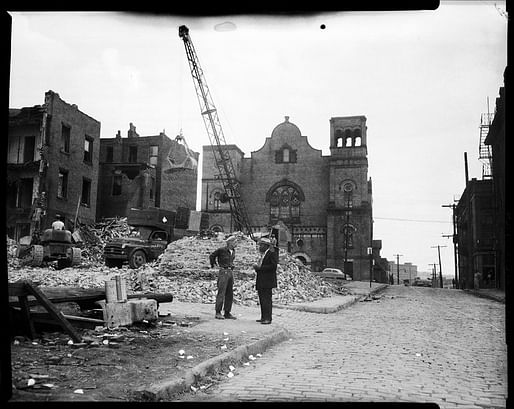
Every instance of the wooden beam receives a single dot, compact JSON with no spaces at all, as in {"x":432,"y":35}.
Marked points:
{"x":52,"y":310}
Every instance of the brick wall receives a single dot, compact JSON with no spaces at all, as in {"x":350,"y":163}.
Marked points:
{"x":174,"y":174}
{"x":319,"y":179}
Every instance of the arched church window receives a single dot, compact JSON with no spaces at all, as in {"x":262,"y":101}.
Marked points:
{"x":339,"y":138}
{"x":216,"y":199}
{"x":285,"y":155}
{"x":348,"y":232}
{"x":357,"y":137}
{"x":347,"y":138}
{"x":285,"y":204}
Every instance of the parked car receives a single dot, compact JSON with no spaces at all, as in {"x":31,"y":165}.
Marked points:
{"x":333,"y":273}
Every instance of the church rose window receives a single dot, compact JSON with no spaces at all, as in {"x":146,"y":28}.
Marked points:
{"x":348,"y":194}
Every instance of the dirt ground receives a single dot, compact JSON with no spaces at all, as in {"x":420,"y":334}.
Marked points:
{"x":110,"y":364}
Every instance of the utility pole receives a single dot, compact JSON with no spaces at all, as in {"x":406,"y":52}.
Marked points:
{"x":346,"y":234}
{"x":398,"y":266}
{"x":455,"y":241}
{"x":434,"y":274}
{"x":440,"y":267}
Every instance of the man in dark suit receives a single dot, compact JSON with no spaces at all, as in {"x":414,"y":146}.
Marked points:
{"x":266,"y":279}
{"x":224,"y":258}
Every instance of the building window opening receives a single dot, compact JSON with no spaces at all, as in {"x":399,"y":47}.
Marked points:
{"x":152,"y":188}
{"x":12,"y":195}
{"x":357,"y":137}
{"x":348,"y":232}
{"x":285,"y":204}
{"x":116,"y":185}
{"x":132,"y":154}
{"x":110,"y":154}
{"x":28,"y":149}
{"x":65,"y":138}
{"x":348,"y":195}
{"x":285,"y":155}
{"x":217,"y":200}
{"x":154,"y":152}
{"x":25,"y":193}
{"x":339,"y":138}
{"x":85,"y":199}
{"x":62,"y":184}
{"x":88,"y":149}
{"x":348,"y":138}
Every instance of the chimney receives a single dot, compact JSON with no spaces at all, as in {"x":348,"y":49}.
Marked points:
{"x":132,"y":131}
{"x":118,"y":135}
{"x":466,"y":167}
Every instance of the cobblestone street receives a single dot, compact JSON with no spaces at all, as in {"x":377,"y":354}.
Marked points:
{"x":413,"y":344}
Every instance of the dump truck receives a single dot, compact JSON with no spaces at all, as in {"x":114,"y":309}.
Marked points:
{"x":151,"y":230}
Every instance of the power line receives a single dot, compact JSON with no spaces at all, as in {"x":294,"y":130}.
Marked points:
{"x":411,"y":220}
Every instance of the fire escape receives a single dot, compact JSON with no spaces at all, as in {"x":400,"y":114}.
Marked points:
{"x":484,"y":151}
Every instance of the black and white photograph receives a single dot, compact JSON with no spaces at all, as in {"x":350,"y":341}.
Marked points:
{"x":257,"y":207}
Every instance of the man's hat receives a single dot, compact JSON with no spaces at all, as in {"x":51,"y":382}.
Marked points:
{"x":265,"y":240}
{"x":230,"y":239}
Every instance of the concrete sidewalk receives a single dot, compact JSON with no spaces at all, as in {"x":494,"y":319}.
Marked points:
{"x":490,"y":293}
{"x":252,"y":337}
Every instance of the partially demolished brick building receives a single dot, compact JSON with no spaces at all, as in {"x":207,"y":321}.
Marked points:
{"x":145,"y":171}
{"x":57,"y":164}
{"x":52,"y":166}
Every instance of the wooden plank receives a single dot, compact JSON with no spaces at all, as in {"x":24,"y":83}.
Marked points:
{"x":17,"y":289}
{"x":25,"y":312}
{"x":82,"y":322}
{"x":78,"y":295}
{"x":53,"y":311}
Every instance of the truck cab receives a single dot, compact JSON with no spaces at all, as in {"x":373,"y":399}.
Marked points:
{"x":151,"y":230}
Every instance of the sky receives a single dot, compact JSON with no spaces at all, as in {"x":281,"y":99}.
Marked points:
{"x":421,"y":78}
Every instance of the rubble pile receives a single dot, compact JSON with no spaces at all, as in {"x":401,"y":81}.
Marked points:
{"x":12,"y":248}
{"x":95,"y":236}
{"x":183,"y":270}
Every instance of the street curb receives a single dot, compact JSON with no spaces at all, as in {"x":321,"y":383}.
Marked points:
{"x":485,"y":295}
{"x":320,"y":310}
{"x":329,"y":310}
{"x":166,"y":390}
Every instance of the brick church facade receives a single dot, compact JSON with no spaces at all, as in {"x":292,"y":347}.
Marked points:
{"x":325,"y":201}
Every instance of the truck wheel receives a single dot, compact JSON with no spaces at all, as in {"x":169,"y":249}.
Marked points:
{"x":37,"y":254}
{"x":113,"y":262}
{"x":137,"y":259}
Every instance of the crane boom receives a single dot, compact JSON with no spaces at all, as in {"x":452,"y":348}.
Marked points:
{"x":222,"y":158}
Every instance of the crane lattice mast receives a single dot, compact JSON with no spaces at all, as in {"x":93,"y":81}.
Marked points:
{"x":222,"y":158}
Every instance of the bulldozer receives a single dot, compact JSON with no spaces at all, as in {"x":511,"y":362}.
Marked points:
{"x":53,"y":245}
